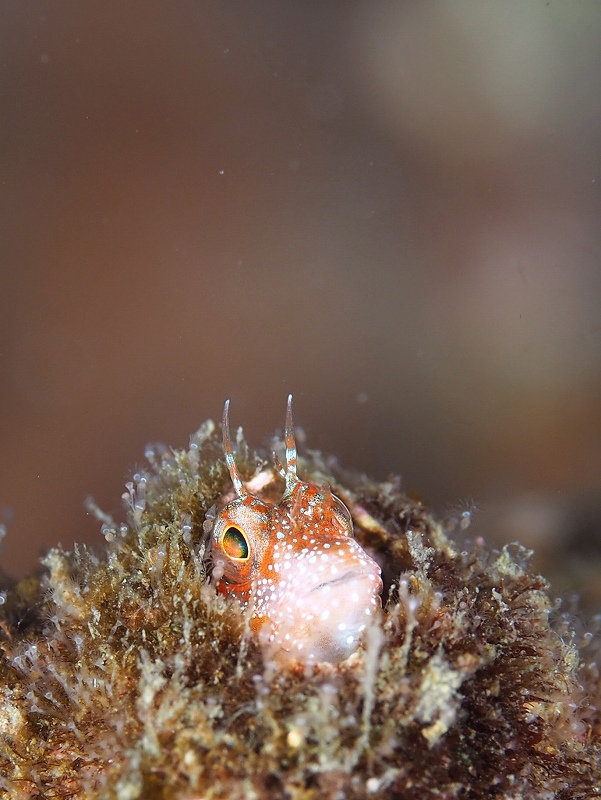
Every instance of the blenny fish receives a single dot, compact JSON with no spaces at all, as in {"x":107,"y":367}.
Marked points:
{"x":309,"y":587}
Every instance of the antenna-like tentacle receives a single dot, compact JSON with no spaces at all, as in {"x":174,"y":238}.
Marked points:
{"x":229,"y":453}
{"x":291,"y":476}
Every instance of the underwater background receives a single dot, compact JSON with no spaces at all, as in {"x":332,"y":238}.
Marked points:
{"x":389,"y":209}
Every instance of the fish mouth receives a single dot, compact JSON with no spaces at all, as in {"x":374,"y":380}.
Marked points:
{"x":346,"y":577}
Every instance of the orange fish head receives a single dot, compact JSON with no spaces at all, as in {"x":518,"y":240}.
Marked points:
{"x":312,"y":588}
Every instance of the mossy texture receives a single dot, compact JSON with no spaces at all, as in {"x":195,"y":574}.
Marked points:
{"x":125,"y":676}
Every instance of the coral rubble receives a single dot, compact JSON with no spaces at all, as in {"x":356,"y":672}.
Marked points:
{"x":125,"y":675}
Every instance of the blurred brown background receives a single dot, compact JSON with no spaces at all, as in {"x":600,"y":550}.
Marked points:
{"x":390,"y":209}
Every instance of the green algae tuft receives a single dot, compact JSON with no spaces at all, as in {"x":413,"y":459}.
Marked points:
{"x":125,"y":675}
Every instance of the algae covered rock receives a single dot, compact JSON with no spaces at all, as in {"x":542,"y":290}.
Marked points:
{"x":126,"y":675}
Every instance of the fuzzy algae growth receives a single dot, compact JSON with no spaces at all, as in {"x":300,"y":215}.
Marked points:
{"x":125,"y":675}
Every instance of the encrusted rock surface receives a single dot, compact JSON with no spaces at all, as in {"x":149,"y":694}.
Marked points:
{"x":125,"y":676}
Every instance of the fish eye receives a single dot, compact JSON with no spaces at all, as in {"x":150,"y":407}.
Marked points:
{"x":235,"y":543}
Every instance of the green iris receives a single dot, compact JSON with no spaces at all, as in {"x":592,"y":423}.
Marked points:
{"x":235,"y":543}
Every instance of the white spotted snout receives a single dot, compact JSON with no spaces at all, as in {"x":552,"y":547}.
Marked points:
{"x":325,"y":600}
